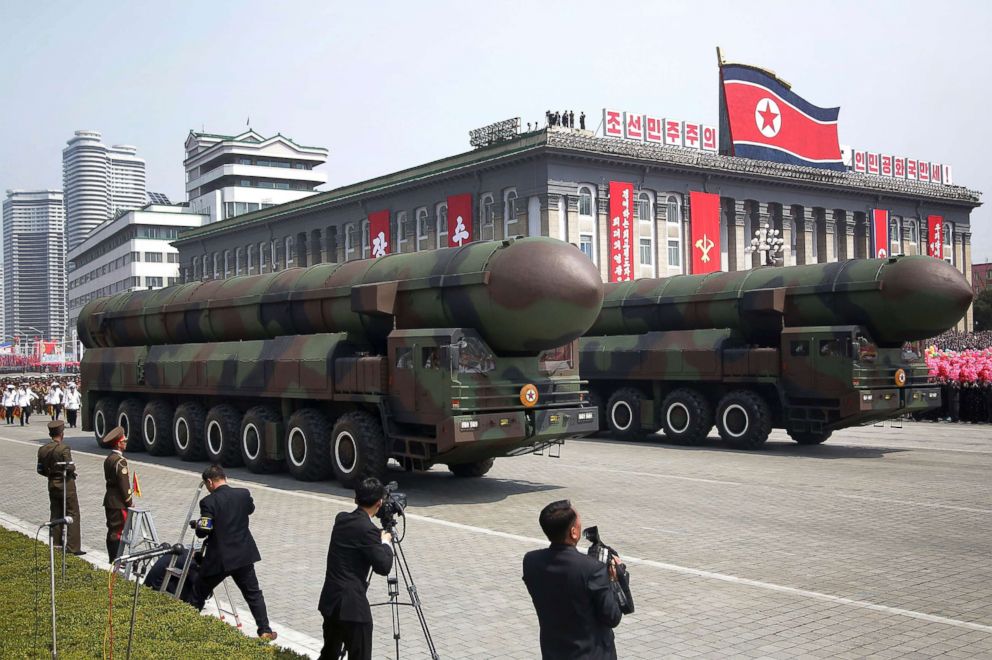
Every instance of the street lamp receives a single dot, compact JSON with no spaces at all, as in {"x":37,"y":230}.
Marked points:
{"x":769,"y":244}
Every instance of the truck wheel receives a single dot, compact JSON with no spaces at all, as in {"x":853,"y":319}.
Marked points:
{"x":156,"y":420}
{"x":222,"y":434}
{"x":187,"y":431}
{"x":623,"y":414}
{"x":129,"y":419}
{"x":686,"y":416}
{"x":359,"y":448}
{"x":743,"y":419}
{"x":308,"y":445}
{"x":253,"y":440}
{"x":473,"y":469}
{"x":104,"y":415}
{"x":809,"y":438}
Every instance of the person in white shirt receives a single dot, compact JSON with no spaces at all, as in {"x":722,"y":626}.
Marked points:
{"x":23,"y":400}
{"x":9,"y":403}
{"x":72,"y":401}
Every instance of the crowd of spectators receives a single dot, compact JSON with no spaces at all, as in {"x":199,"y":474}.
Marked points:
{"x":952,"y":340}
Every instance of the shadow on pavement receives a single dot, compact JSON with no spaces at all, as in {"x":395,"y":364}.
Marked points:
{"x":772,"y":448}
{"x":434,"y":488}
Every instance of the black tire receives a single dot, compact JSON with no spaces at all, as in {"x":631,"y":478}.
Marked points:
{"x":810,"y":438}
{"x":686,"y":416}
{"x":156,"y":426}
{"x":252,"y":440}
{"x":358,"y":448}
{"x":308,"y":445}
{"x":222,"y":436}
{"x":743,"y":419}
{"x":104,"y":418}
{"x":187,"y":431}
{"x":473,"y":469}
{"x":623,"y":414}
{"x":129,"y":418}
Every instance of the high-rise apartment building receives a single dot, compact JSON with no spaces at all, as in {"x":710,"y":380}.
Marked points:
{"x":34,"y":264}
{"x":230,"y":175}
{"x":99,"y":182}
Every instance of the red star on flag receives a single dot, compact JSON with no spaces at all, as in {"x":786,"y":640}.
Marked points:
{"x":767,"y":118}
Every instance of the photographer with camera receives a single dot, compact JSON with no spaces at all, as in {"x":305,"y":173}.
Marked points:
{"x":357,"y":546}
{"x":577,"y":607}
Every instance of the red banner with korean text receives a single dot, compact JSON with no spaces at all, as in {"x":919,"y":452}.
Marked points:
{"x":379,"y":233}
{"x":704,"y":218}
{"x":459,"y":220}
{"x":621,"y":231}
{"x":879,"y":233}
{"x":935,"y":236}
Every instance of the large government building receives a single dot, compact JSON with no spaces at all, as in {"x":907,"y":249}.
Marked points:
{"x":555,"y":182}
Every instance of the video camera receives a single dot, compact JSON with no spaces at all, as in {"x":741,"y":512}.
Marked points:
{"x":393,"y":505}
{"x":605,"y":554}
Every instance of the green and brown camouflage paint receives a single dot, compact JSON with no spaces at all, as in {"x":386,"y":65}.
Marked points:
{"x":821,"y":344}
{"x":438,"y":345}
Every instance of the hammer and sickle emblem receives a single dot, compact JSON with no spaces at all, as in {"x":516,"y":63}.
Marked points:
{"x":705,"y":245}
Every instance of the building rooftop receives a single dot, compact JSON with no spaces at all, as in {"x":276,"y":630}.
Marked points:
{"x":582,"y":144}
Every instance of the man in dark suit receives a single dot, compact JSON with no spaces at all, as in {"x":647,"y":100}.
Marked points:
{"x":576,"y":607}
{"x":229,"y":549}
{"x":357,"y":546}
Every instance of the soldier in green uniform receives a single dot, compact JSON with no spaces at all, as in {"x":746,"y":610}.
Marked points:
{"x":52,"y":459}
{"x":118,"y":497}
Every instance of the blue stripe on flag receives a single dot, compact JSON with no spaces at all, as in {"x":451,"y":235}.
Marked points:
{"x":746,"y":74}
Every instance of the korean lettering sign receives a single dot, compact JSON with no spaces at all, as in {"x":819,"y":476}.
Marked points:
{"x":621,"y":231}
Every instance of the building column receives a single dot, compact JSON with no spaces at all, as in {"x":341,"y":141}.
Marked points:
{"x":551,"y":218}
{"x":301,"y":249}
{"x":819,"y":234}
{"x":570,"y":203}
{"x":804,"y":239}
{"x":842,"y":247}
{"x":969,"y":316}
{"x":728,"y":220}
{"x":601,"y":232}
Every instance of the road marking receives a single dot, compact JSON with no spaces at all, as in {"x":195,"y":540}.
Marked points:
{"x":672,"y":568}
{"x":659,"y":475}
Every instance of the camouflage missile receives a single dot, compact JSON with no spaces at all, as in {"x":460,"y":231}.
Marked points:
{"x":897,"y":299}
{"x":522,"y":296}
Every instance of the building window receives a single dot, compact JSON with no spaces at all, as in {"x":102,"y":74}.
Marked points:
{"x":237,"y":261}
{"x":422,"y":229}
{"x":173,"y":281}
{"x":585,"y":244}
{"x":245,"y":183}
{"x":487,"y":219}
{"x":216,"y":270}
{"x":172,"y":258}
{"x":250,"y":259}
{"x":509,"y":213}
{"x":366,"y":248}
{"x":585,"y":201}
{"x":227,"y":263}
{"x":949,"y":242}
{"x":153,"y":257}
{"x":442,"y":225}
{"x":674,"y":254}
{"x":349,"y":240}
{"x":673,"y":232}
{"x":895,"y":240}
{"x":153,"y":282}
{"x":205,"y":271}
{"x":646,"y":256}
{"x":290,"y":252}
{"x":402,"y":231}
{"x":642,"y":210}
{"x":914,"y":236}
{"x":262,"y":257}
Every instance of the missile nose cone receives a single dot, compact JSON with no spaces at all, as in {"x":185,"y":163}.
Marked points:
{"x":545,"y":292}
{"x":930,"y":295}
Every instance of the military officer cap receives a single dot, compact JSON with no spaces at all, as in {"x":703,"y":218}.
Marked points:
{"x":112,"y":436}
{"x":55,"y":427}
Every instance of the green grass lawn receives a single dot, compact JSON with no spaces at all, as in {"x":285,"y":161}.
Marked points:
{"x":164,"y":627}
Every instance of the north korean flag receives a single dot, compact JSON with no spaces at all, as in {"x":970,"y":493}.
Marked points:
{"x":768,"y":121}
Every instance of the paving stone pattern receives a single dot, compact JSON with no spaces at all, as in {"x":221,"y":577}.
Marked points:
{"x":875,"y":544}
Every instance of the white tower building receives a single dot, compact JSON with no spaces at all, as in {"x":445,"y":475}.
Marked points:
{"x":34,"y":264}
{"x":229,"y":175}
{"x":99,"y":181}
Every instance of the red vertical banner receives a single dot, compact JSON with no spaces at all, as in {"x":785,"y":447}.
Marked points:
{"x":379,"y":233}
{"x":880,"y":233}
{"x":459,"y":220}
{"x":621,"y":225}
{"x":935,"y":236}
{"x":704,"y":218}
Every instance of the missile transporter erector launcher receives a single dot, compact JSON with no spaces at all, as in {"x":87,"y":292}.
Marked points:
{"x":454,"y":356}
{"x":810,"y":349}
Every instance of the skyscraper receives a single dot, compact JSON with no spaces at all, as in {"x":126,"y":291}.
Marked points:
{"x":99,"y":181}
{"x":34,"y":264}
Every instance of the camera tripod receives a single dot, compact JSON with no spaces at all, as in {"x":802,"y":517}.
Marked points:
{"x":402,"y":569}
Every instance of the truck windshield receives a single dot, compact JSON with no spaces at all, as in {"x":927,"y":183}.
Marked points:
{"x":867,"y":351}
{"x":556,"y":360}
{"x":471,"y":356}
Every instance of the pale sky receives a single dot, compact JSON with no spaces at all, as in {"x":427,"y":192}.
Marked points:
{"x":386,"y":85}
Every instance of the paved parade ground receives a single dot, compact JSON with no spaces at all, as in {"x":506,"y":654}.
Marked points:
{"x":877,"y":543}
